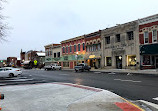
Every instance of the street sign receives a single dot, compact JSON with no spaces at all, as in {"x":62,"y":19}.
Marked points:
{"x":35,"y":62}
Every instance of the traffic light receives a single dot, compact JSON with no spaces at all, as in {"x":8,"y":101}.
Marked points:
{"x":1,"y":60}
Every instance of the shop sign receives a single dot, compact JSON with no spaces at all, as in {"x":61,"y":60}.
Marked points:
{"x":48,"y":59}
{"x":92,"y":56}
{"x":57,"y":59}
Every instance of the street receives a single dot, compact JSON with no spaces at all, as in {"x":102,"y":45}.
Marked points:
{"x":129,"y":86}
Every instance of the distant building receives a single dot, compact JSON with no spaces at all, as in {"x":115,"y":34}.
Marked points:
{"x":53,"y":54}
{"x":12,"y":61}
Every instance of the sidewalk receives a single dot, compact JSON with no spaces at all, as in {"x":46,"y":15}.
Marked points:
{"x":147,"y":71}
{"x":62,"y":97}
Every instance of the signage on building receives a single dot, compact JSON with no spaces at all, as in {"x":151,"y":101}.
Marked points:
{"x":92,"y":56}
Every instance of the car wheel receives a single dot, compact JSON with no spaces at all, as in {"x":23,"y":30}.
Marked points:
{"x":11,"y":75}
{"x":53,"y":68}
{"x":88,"y":70}
{"x":76,"y":70}
{"x":60,"y":68}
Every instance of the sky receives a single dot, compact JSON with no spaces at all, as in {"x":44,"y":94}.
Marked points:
{"x":36,"y":23}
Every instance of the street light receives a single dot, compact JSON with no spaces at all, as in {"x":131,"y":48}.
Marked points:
{"x":77,"y":56}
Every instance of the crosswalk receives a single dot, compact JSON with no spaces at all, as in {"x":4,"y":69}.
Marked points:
{"x":17,"y":81}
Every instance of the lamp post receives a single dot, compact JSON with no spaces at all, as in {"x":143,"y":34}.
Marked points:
{"x":77,"y":56}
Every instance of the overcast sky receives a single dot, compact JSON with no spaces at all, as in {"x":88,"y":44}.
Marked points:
{"x":36,"y":23}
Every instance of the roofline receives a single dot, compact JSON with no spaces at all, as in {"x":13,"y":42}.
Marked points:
{"x":72,"y":39}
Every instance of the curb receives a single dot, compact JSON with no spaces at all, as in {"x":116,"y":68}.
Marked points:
{"x":152,"y":106}
{"x":123,"y":72}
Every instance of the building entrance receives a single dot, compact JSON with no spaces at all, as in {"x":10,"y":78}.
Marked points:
{"x":119,"y":62}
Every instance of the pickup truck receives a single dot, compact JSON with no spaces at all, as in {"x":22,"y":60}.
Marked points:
{"x":52,"y":67}
{"x":82,"y":67}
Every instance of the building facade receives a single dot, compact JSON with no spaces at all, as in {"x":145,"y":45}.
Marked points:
{"x":73,"y":51}
{"x":93,"y":49}
{"x":12,"y":61}
{"x":53,"y":54}
{"x":120,"y":46}
{"x":148,"y":37}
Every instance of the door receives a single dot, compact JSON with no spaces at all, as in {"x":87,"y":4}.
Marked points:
{"x":156,"y":62}
{"x":119,"y":62}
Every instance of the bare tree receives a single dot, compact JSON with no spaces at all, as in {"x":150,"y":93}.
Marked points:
{"x":3,"y":25}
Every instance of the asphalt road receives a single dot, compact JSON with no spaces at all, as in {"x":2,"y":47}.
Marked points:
{"x":133,"y":87}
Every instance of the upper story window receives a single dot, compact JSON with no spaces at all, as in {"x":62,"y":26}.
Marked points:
{"x":78,"y":47}
{"x":74,"y":48}
{"x":83,"y":46}
{"x":54,"y":55}
{"x":146,"y":37}
{"x":66,"y":49}
{"x":63,"y":49}
{"x":118,"y":38}
{"x":70,"y":49}
{"x":107,"y":40}
{"x":154,"y":36}
{"x":130,"y":35}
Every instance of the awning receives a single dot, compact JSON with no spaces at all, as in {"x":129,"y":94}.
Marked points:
{"x":149,"y":49}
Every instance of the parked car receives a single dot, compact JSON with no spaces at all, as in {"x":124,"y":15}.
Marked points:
{"x":9,"y":72}
{"x":82,"y":67}
{"x":52,"y":67}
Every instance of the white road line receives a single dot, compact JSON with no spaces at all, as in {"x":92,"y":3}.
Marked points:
{"x":156,"y":98}
{"x":126,"y":80}
{"x":21,"y":80}
{"x":97,"y":72}
{"x":112,"y":73}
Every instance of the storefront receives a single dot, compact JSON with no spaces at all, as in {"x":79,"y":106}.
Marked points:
{"x":149,"y":56}
{"x":94,"y":61}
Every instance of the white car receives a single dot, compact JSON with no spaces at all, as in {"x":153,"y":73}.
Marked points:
{"x":52,"y":67}
{"x":9,"y":72}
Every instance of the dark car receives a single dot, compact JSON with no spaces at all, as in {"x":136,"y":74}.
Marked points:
{"x":82,"y":67}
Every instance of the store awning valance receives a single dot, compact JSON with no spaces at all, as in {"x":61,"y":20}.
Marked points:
{"x":149,"y":49}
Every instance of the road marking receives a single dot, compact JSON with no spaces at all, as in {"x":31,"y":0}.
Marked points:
{"x":156,"y":98}
{"x":126,"y":80}
{"x":112,"y":73}
{"x":21,"y":80}
{"x":97,"y":72}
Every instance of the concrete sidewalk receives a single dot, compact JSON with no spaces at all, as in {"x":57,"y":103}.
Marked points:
{"x":147,"y":71}
{"x":62,"y":97}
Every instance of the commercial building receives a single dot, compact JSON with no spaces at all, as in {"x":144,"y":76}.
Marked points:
{"x":148,"y":36}
{"x":93,"y":49}
{"x":73,"y":51}
{"x":53,"y":54}
{"x":120,"y":46}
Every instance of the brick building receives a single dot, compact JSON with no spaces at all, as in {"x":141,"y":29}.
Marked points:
{"x":93,"y":49}
{"x":148,"y":37}
{"x":11,"y":61}
{"x":73,"y":51}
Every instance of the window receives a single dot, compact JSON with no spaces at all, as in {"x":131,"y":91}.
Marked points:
{"x":99,"y":46}
{"x":63,"y":49}
{"x":130,"y":35}
{"x":108,"y":61}
{"x":146,"y":37}
{"x":154,"y":36}
{"x":58,"y":54}
{"x":66,"y":49}
{"x":78,"y":47}
{"x":107,"y":40}
{"x":70,"y":49}
{"x":131,"y":60}
{"x":118,"y":38}
{"x":54,"y":55}
{"x":65,"y":64}
{"x":83,"y":46}
{"x":74,"y":48}
{"x":146,"y":60}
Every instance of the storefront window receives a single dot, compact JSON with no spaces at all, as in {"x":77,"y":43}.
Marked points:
{"x":108,"y":61}
{"x":146,"y":60}
{"x":131,"y":60}
{"x":65,"y":64}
